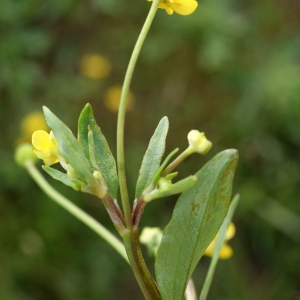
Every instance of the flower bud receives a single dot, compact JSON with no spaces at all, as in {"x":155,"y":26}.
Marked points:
{"x":164,"y":184}
{"x":23,"y":153}
{"x":167,"y":188}
{"x":198,"y":142}
{"x":151,"y":237}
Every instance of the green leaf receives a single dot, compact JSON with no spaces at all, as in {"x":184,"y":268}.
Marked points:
{"x":196,"y":220}
{"x":60,"y":176}
{"x":152,"y":157}
{"x":84,"y":121}
{"x":103,"y":155}
{"x":69,"y":146}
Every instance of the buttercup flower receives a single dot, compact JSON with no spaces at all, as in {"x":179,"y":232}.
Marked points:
{"x":95,"y":66}
{"x":226,"y":251}
{"x":45,"y":147}
{"x":182,"y":7}
{"x":112,"y":98}
{"x":199,"y":142}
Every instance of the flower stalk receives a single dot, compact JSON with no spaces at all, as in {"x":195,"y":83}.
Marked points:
{"x":130,"y":238}
{"x":74,"y":210}
{"x":122,"y":110}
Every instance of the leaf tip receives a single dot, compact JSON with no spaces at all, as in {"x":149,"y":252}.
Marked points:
{"x":45,"y":109}
{"x":165,"y":119}
{"x":88,"y":106}
{"x":234,"y":153}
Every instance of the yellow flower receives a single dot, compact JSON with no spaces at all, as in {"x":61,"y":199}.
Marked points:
{"x":94,"y":66}
{"x":112,"y":98}
{"x":45,"y":147}
{"x":226,"y":251}
{"x":30,"y":123}
{"x":182,"y":7}
{"x":33,"y":122}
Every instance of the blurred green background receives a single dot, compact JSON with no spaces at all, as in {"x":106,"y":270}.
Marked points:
{"x":231,"y":69}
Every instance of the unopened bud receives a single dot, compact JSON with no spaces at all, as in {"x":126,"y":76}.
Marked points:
{"x":198,"y":142}
{"x":151,"y":237}
{"x":23,"y":153}
{"x":164,"y":184}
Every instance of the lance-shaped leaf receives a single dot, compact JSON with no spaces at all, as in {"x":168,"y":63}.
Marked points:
{"x":103,"y":155}
{"x":69,"y":146}
{"x":196,"y":220}
{"x":152,"y":157}
{"x":60,"y":176}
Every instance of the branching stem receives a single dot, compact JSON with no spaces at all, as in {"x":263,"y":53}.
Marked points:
{"x":74,"y":210}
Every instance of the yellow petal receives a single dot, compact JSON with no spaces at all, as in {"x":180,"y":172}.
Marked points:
{"x":210,"y":249}
{"x":184,"y":7}
{"x":45,"y":147}
{"x":41,"y":154}
{"x":230,"y":231}
{"x":166,"y":6}
{"x":48,"y":161}
{"x":226,"y":252}
{"x":41,"y":140}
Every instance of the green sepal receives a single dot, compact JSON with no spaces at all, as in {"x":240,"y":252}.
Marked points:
{"x":69,"y":147}
{"x":163,"y":165}
{"x":152,"y":157}
{"x":171,"y":189}
{"x":171,"y":175}
{"x":196,"y":219}
{"x":79,"y":185}
{"x":103,"y":156}
{"x":60,"y":176}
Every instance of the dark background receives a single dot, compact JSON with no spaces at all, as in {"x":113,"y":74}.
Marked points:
{"x":231,"y":69}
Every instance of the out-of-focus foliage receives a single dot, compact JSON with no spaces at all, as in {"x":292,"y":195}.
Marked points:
{"x":231,"y":69}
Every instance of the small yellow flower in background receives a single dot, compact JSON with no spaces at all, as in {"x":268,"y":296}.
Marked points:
{"x":33,"y":122}
{"x":226,"y":251}
{"x":95,"y":66}
{"x":182,"y":7}
{"x":45,"y":147}
{"x":30,"y":123}
{"x":112,"y":98}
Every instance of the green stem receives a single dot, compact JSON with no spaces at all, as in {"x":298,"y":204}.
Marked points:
{"x":218,"y":246}
{"x":178,"y":161}
{"x":122,"y":109}
{"x":144,"y":278}
{"x":74,"y":210}
{"x":130,"y":237}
